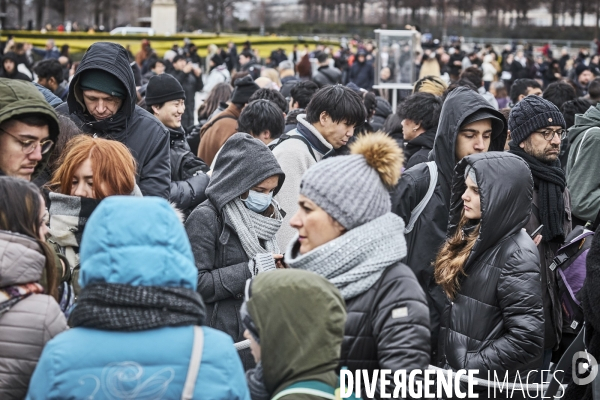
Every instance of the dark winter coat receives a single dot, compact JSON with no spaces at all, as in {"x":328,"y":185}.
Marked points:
{"x":547,"y":250}
{"x":362,"y":75}
{"x":383,"y":110}
{"x":327,"y":76}
{"x":417,"y":150}
{"x":190,"y":84}
{"x":287,"y":84}
{"x":144,"y":135}
{"x":290,"y":120}
{"x":220,"y":258}
{"x":429,"y":231}
{"x":373,"y":339}
{"x":495,"y":322}
{"x":188,"y":173}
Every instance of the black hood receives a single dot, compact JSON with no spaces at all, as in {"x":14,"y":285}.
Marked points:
{"x":242,"y":163}
{"x":460,"y":104}
{"x":112,"y":58}
{"x":506,"y":192}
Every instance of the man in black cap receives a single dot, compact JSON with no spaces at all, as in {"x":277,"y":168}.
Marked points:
{"x":223,"y":125}
{"x":583,"y":78}
{"x":102,"y":101}
{"x":165,"y":99}
{"x":468,"y":125}
{"x":536,"y":129}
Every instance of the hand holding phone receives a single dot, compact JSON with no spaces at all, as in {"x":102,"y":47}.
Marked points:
{"x":536,"y":232}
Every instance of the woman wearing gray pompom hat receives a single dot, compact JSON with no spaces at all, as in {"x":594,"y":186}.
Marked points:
{"x":348,"y":234}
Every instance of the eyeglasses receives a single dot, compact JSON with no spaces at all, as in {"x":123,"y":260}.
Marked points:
{"x":29,"y":146}
{"x":548,"y":134}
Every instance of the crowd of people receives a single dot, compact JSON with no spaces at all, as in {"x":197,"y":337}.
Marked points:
{"x":143,"y":234}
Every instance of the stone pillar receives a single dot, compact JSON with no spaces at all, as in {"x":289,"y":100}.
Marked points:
{"x":164,"y":17}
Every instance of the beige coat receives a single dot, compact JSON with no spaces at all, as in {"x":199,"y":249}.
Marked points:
{"x":28,"y":325}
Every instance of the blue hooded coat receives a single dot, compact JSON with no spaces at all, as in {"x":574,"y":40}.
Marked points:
{"x":139,"y":242}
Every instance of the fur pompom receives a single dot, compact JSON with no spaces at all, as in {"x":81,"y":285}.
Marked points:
{"x":382,"y":153}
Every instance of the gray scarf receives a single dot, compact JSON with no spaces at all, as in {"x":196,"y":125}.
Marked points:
{"x":354,"y":261}
{"x":252,"y":227}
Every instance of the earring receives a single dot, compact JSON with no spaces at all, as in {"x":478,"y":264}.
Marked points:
{"x":414,"y":129}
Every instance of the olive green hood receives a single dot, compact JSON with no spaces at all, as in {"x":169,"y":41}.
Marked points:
{"x":19,"y":97}
{"x":300,"y":320}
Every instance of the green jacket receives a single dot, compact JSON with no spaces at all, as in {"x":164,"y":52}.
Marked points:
{"x":19,"y":97}
{"x":300,"y":319}
{"x":583,"y":179}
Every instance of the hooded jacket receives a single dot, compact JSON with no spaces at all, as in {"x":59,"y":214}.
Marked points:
{"x":495,"y":321}
{"x":295,"y":309}
{"x":429,"y":231}
{"x":29,"y":324}
{"x":583,"y":165}
{"x":327,"y":75}
{"x":144,"y":135}
{"x":220,"y":258}
{"x":17,"y":98}
{"x":16,"y":74}
{"x":139,"y":242}
{"x":188,"y":173}
{"x":362,"y":74}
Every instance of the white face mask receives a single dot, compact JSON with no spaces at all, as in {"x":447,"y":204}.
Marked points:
{"x":258,"y":202}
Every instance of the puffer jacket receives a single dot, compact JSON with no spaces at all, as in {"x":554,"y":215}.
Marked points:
{"x":29,"y":324}
{"x":188,"y":173}
{"x":327,"y":75}
{"x":220,"y":258}
{"x":144,"y":135}
{"x":496,"y":321}
{"x":142,"y":243}
{"x":429,"y":231}
{"x":373,"y":339}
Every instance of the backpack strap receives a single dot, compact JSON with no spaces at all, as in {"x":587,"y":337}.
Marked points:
{"x":581,"y":144}
{"x":315,"y":388}
{"x":416,"y":212}
{"x":285,"y":137}
{"x":194,"y":368}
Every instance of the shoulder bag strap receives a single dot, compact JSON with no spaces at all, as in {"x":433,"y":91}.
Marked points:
{"x":581,"y":143}
{"x":285,"y":137}
{"x":416,"y":212}
{"x":194,"y":368}
{"x":314,"y":388}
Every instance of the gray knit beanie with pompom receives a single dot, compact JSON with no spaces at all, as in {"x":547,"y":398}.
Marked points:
{"x":354,"y":189}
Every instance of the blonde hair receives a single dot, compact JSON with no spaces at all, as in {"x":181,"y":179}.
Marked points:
{"x":113,"y":166}
{"x":273,"y":75}
{"x":430,"y":84}
{"x":450,"y":262}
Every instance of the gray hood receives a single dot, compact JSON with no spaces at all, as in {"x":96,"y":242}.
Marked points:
{"x":243,"y":163}
{"x":21,"y":259}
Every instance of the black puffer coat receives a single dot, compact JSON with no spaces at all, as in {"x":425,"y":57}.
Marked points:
{"x":326,"y":76}
{"x":136,"y":128}
{"x":496,"y":321}
{"x":188,"y":173}
{"x":374,"y":338}
{"x":429,"y":231}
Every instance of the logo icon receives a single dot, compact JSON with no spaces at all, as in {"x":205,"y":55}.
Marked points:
{"x":585,"y":368}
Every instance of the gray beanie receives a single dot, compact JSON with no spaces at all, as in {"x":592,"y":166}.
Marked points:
{"x":354,"y":189}
{"x":530,"y":114}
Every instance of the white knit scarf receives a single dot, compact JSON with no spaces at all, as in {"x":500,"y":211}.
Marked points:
{"x":251,"y":226}
{"x":354,"y":261}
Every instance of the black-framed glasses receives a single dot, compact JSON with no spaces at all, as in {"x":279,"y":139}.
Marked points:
{"x":548,"y":134}
{"x":29,"y":146}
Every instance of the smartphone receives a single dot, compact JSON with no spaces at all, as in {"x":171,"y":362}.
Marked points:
{"x":536,"y":232}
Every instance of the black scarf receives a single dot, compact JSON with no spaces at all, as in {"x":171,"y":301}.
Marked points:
{"x":120,"y":307}
{"x":551,"y":182}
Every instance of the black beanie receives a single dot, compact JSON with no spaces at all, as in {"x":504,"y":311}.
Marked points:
{"x":162,"y":88}
{"x":580,"y":68}
{"x":244,"y":89}
{"x":530,"y":114}
{"x":217,"y":60}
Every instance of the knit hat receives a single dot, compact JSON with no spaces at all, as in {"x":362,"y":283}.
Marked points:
{"x":354,"y":189}
{"x":105,"y":82}
{"x":163,"y":88}
{"x":244,"y":89}
{"x":530,"y":114}
{"x":286,"y":64}
{"x":580,"y":68}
